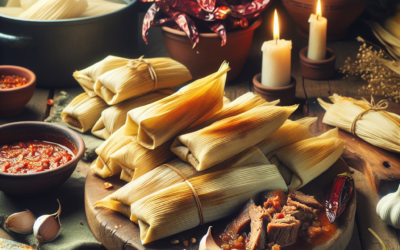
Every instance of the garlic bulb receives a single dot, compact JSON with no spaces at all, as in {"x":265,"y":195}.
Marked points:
{"x":48,"y":227}
{"x":207,"y":242}
{"x":21,"y":222}
{"x":388,"y":209}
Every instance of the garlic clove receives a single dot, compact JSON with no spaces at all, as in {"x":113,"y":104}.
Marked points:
{"x":388,"y":209}
{"x":21,"y":222}
{"x":48,"y":227}
{"x":207,"y":242}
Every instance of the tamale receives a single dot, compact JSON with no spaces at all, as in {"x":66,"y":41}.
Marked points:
{"x":83,"y":112}
{"x":25,"y":4}
{"x":11,"y":11}
{"x":193,"y":104}
{"x":223,"y":139}
{"x":48,"y":10}
{"x":139,"y":77}
{"x":301,"y":162}
{"x":13,"y":3}
{"x":164,"y":176}
{"x":87,"y":77}
{"x":376,"y":126}
{"x":114,"y":117}
{"x":101,"y":7}
{"x":175,"y":209}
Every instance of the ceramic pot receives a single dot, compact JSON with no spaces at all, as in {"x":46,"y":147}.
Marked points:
{"x":317,"y":69}
{"x":12,"y":101}
{"x":208,"y":55}
{"x":285,"y":94}
{"x":340,"y":14}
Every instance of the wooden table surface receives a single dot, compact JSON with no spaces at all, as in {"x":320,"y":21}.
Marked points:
{"x":38,"y":110}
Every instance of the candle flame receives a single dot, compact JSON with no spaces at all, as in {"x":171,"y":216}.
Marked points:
{"x":276,"y":26}
{"x":319,"y":12}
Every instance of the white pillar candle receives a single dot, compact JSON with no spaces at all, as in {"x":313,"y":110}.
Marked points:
{"x":276,"y":60}
{"x":317,"y":37}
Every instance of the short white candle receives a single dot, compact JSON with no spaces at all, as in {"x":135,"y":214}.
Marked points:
{"x":317,"y":37}
{"x":276,"y":60}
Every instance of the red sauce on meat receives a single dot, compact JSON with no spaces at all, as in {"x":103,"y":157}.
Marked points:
{"x":32,"y":157}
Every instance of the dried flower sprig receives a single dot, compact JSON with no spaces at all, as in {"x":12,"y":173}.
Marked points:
{"x":370,"y":66}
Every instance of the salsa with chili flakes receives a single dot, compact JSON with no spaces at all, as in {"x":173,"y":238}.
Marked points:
{"x":11,"y":81}
{"x":32,"y":157}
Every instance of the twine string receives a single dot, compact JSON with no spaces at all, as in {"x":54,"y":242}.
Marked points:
{"x":135,"y":63}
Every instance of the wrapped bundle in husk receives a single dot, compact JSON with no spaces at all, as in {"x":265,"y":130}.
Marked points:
{"x":223,"y":139}
{"x":48,"y":10}
{"x":388,"y":39}
{"x":156,"y":123}
{"x":201,"y":199}
{"x":164,"y":176}
{"x":83,"y":112}
{"x":25,"y":4}
{"x":101,"y":7}
{"x":139,"y":77}
{"x":114,"y":117}
{"x":289,"y":133}
{"x":303,"y":161}
{"x":369,"y":122}
{"x":11,"y":11}
{"x":88,"y":77}
{"x":13,"y":3}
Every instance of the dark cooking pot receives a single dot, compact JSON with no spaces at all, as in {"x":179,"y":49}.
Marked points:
{"x":53,"y":50}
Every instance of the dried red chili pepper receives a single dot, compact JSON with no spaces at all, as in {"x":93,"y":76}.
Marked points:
{"x":338,"y":196}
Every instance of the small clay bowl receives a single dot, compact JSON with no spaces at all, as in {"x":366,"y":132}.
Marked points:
{"x":285,"y":94}
{"x":12,"y":101}
{"x":38,"y":183}
{"x":317,"y":69}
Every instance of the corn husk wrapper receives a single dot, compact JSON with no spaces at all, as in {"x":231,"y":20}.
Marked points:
{"x":135,"y":79}
{"x":47,"y":10}
{"x":173,"y":209}
{"x":83,"y":112}
{"x":13,"y":3}
{"x":114,"y":117}
{"x":379,"y":128}
{"x":11,"y":11}
{"x":88,"y":77}
{"x":290,"y":132}
{"x":219,"y":141}
{"x":391,"y":42}
{"x":156,"y":123}
{"x":101,"y":7}
{"x":163,"y":177}
{"x":303,"y":161}
{"x":25,"y":4}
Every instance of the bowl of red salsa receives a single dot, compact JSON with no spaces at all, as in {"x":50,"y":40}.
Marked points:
{"x":17,"y":85}
{"x":36,"y":157}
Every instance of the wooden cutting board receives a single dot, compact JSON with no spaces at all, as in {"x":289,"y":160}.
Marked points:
{"x":380,"y":167}
{"x":117,"y":232}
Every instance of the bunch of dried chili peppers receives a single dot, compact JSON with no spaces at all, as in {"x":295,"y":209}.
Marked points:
{"x":218,"y":15}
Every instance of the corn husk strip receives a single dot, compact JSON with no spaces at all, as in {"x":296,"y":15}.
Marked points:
{"x":289,"y":133}
{"x":104,"y":166}
{"x":156,"y":123}
{"x":25,"y":4}
{"x":11,"y":11}
{"x":114,"y":117}
{"x":308,"y":158}
{"x":381,"y":129}
{"x":226,"y":101}
{"x":163,"y":176}
{"x":223,"y":139}
{"x":13,"y":3}
{"x":101,"y":7}
{"x":173,"y":209}
{"x":83,"y":112}
{"x":391,"y":42}
{"x":135,"y":79}
{"x":87,"y":77}
{"x":48,"y":10}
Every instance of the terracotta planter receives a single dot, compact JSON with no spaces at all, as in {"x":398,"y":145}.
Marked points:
{"x":208,"y":55}
{"x":317,"y":69}
{"x":340,"y":14}
{"x":12,"y":101}
{"x":285,"y":94}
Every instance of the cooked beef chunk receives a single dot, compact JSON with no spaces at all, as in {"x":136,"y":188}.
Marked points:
{"x":271,"y":194}
{"x":305,"y":199}
{"x":297,"y":213}
{"x":258,"y":237}
{"x":314,"y":231}
{"x":276,"y":247}
{"x":301,"y":206}
{"x":240,"y":223}
{"x":283,"y":231}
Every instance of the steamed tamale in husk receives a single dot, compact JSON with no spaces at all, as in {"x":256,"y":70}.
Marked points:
{"x":376,"y":126}
{"x":101,"y":7}
{"x":88,"y":77}
{"x":54,"y":9}
{"x":83,"y":112}
{"x":13,"y":3}
{"x":158,"y":122}
{"x":11,"y":11}
{"x":303,"y":161}
{"x":114,"y":117}
{"x":139,"y":77}
{"x":223,"y":139}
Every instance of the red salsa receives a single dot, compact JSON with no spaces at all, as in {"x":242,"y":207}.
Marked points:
{"x":11,"y":81}
{"x":32,"y":157}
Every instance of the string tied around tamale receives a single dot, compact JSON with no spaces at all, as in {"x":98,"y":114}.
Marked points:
{"x":135,"y":63}
{"x":196,"y":196}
